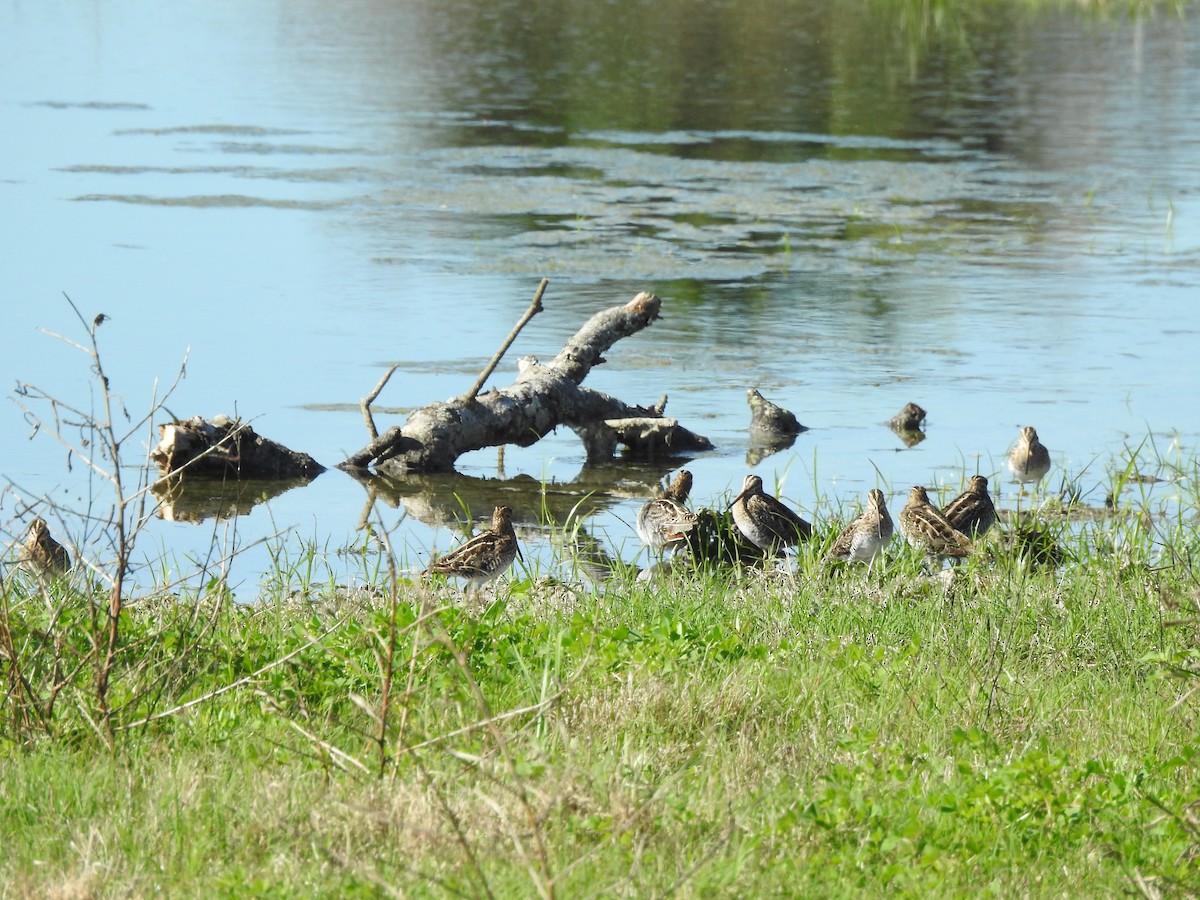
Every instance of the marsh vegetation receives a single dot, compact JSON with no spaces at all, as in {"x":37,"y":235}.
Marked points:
{"x":1023,"y":731}
{"x":1016,"y":728}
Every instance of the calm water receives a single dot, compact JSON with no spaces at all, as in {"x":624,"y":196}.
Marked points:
{"x":995,"y":214}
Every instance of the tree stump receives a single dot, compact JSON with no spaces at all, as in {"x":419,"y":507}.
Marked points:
{"x":906,"y":424}
{"x":224,"y":447}
{"x":771,"y":423}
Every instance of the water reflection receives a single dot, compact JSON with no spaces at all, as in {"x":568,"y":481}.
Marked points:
{"x":195,"y":500}
{"x":907,"y":424}
{"x":446,"y":500}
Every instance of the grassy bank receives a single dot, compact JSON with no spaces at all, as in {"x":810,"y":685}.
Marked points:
{"x":727,"y":732}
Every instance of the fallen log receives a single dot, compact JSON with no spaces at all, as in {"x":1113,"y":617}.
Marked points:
{"x":649,"y":437}
{"x":223,"y":447}
{"x":906,"y":424}
{"x":541,"y":398}
{"x":772,"y":428}
{"x":770,"y":423}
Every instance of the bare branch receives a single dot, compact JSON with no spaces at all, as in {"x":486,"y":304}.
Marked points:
{"x":534,"y":308}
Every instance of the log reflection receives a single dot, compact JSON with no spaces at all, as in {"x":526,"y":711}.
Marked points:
{"x":446,"y":500}
{"x":196,"y":499}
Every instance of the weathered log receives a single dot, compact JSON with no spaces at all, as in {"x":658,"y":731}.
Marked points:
{"x":908,"y":419}
{"x":654,"y":438}
{"x":772,"y":428}
{"x":224,"y":447}
{"x":542,"y":398}
{"x":770,"y":423}
{"x":906,"y":424}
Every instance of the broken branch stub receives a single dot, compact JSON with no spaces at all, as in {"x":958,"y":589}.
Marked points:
{"x":224,"y":447}
{"x":770,"y":422}
{"x":585,"y":349}
{"x":542,"y":398}
{"x":651,"y":437}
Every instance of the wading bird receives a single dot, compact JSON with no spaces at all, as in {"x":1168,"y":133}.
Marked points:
{"x":484,"y":557}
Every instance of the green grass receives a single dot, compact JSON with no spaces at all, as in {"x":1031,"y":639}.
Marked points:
{"x":727,"y":732}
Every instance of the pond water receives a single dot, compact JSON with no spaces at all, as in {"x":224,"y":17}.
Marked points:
{"x":990,"y":210}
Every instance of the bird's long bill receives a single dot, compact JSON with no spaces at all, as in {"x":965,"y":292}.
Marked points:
{"x":519,"y":556}
{"x":736,"y":499}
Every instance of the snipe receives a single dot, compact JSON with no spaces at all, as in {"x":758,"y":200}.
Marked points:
{"x":1028,"y":460}
{"x":484,"y":557}
{"x":866,"y":536}
{"x":927,"y":529}
{"x":665,"y":522}
{"x":40,"y":553}
{"x":764,"y":521}
{"x":972,"y":512}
